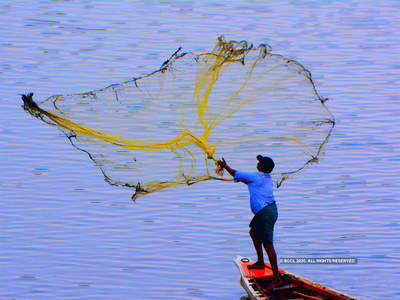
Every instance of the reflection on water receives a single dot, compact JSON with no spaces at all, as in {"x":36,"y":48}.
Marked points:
{"x":67,"y":233}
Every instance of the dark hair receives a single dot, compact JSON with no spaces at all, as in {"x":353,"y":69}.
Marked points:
{"x":266,"y":163}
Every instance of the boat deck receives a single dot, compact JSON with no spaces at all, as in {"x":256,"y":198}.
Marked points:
{"x":256,"y":281}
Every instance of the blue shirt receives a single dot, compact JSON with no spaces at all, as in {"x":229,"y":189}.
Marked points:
{"x":260,"y":187}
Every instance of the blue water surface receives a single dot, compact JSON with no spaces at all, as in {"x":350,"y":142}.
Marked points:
{"x":67,"y":234}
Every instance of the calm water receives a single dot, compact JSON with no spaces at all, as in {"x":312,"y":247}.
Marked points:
{"x":65,"y":233}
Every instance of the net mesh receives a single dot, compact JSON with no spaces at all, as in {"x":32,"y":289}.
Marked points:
{"x":170,"y":127}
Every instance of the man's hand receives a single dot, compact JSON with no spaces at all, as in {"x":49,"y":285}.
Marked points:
{"x":222,"y":163}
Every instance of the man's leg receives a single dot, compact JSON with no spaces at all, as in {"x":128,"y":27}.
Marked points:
{"x":258,"y":246}
{"x":269,"y":248}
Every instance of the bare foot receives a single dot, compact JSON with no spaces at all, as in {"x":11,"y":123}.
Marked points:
{"x":257,"y":265}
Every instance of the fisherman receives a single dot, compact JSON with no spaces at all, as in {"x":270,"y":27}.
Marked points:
{"x":262,"y":203}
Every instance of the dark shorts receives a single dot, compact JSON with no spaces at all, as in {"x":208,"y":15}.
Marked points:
{"x":263,"y":223}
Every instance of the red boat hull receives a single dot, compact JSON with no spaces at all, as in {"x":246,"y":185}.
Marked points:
{"x":256,"y":282}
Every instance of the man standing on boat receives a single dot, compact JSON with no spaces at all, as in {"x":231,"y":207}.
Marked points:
{"x":262,"y":203}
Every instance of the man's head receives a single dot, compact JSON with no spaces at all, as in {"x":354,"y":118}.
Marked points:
{"x":265,"y":164}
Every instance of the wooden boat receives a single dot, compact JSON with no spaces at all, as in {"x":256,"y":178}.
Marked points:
{"x":256,"y":281}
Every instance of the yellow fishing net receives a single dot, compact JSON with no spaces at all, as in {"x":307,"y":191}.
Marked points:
{"x":170,"y":127}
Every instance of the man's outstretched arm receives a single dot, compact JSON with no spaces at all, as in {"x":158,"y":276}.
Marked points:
{"x":222,"y":163}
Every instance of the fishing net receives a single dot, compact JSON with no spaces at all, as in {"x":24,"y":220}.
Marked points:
{"x":171,"y":126}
